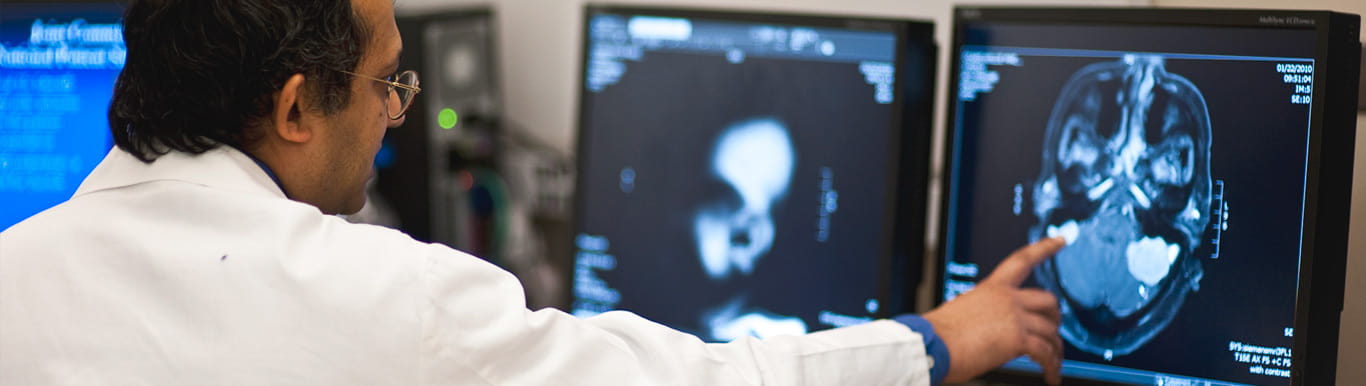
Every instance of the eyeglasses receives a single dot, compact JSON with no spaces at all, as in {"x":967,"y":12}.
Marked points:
{"x":402,"y":89}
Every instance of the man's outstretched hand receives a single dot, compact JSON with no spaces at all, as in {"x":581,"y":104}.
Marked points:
{"x":998,"y":321}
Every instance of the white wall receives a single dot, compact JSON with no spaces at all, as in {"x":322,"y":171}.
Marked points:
{"x":539,"y":42}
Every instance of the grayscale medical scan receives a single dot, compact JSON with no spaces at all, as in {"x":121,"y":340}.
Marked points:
{"x":1125,"y":178}
{"x":735,"y":176}
{"x":1173,"y":159}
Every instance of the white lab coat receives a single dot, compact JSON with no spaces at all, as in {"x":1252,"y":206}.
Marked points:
{"x":196,"y":270}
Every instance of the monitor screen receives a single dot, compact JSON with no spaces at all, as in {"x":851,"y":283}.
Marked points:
{"x":738,"y":174}
{"x":58,"y":63}
{"x":1176,"y":158}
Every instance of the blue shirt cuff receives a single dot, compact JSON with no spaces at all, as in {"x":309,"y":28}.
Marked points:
{"x":939,"y":353}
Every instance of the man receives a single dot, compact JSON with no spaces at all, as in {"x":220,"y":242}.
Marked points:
{"x":202,"y":250}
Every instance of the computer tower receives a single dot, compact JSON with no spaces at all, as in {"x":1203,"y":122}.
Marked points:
{"x":427,"y":170}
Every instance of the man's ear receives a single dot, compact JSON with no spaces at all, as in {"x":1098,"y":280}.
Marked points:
{"x":288,"y":115}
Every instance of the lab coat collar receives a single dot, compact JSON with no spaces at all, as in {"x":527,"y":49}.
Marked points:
{"x":222,"y":168}
{"x":266,"y":168}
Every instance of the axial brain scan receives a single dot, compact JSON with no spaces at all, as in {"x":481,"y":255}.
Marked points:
{"x":1125,"y":178}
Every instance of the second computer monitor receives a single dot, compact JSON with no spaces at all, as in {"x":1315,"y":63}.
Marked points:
{"x":750,"y":175}
{"x":1198,"y":161}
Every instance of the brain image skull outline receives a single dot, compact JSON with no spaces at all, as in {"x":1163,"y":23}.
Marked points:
{"x":1125,"y":178}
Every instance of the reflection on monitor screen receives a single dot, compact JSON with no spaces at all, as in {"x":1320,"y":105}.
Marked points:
{"x":58,"y":62}
{"x":1173,"y":158}
{"x":736,"y":175}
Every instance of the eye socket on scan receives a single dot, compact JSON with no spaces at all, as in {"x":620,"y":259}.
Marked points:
{"x":1081,"y":156}
{"x":1173,"y":161}
{"x":739,"y":237}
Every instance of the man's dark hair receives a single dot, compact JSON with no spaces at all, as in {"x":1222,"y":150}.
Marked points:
{"x":200,"y":73}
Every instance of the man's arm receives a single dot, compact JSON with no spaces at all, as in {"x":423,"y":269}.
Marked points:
{"x":476,"y":329}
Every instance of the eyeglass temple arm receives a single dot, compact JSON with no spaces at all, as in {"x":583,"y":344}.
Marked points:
{"x":404,"y":86}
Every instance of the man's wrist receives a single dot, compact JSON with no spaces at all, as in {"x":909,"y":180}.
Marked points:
{"x":934,"y":347}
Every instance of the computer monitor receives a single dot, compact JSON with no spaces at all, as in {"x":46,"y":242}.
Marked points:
{"x":58,"y":63}
{"x":750,"y":174}
{"x":1199,"y":162}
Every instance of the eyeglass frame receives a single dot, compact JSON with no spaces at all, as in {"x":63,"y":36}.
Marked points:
{"x":392,"y":85}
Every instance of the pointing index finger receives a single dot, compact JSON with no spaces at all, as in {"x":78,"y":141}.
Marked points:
{"x":1017,"y":266}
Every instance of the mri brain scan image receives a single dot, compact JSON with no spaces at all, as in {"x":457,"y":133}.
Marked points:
{"x":1125,"y":178}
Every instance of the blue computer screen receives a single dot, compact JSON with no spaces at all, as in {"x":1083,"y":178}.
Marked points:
{"x":1173,"y":157}
{"x":734,"y":176}
{"x":58,"y":63}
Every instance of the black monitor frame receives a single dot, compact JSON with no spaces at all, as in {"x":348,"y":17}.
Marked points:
{"x":1330,"y":159}
{"x":910,"y":143}
{"x":121,"y":3}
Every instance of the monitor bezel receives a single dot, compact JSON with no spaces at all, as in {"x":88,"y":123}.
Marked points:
{"x":1330,"y":156}
{"x":908,"y":143}
{"x":123,"y":3}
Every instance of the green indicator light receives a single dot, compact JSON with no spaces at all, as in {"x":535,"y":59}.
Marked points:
{"x":447,"y":118}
